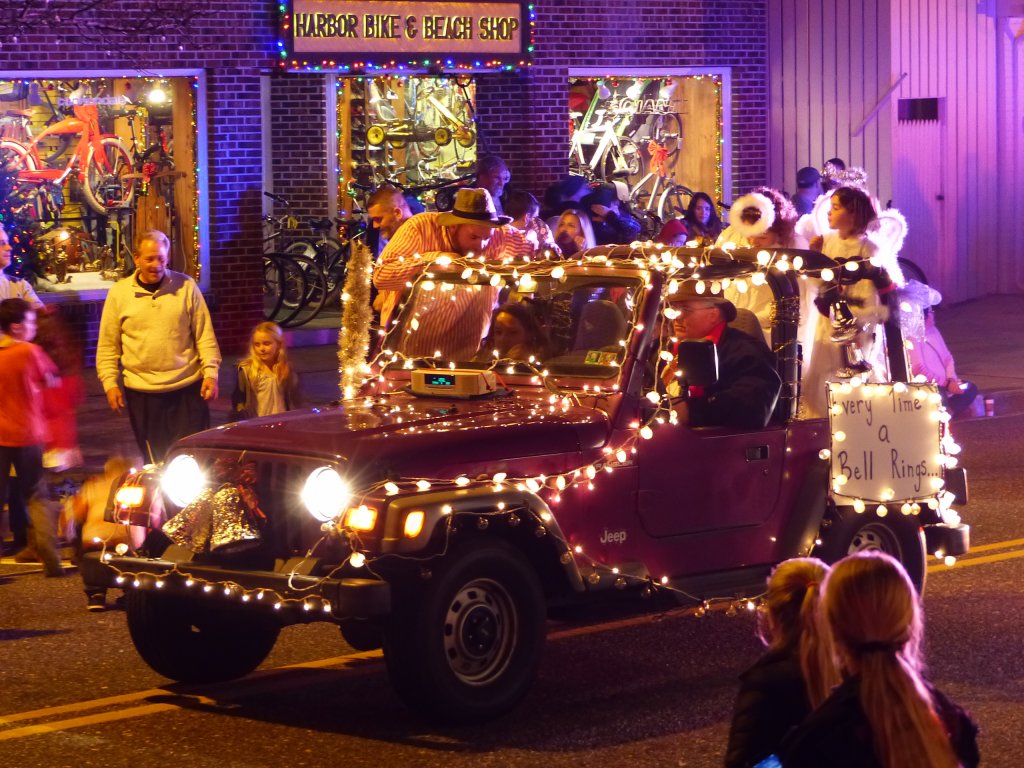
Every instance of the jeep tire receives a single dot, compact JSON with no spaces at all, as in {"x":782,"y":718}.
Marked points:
{"x":466,"y":646}
{"x":197,"y":643}
{"x":895,"y":534}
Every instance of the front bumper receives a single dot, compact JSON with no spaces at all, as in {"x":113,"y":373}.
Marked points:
{"x":285,"y":589}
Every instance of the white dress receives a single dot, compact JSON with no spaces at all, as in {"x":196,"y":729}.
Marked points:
{"x":821,"y":356}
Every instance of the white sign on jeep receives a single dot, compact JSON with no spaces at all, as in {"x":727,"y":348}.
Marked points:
{"x":886,"y":441}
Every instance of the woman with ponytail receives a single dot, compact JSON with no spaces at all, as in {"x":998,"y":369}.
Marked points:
{"x":884,"y":714}
{"x":794,"y":675}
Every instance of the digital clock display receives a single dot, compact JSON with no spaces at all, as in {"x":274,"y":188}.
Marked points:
{"x":439,"y":380}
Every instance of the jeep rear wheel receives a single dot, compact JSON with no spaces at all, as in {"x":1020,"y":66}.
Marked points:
{"x":895,"y":534}
{"x":467,"y":646}
{"x":196,"y":643}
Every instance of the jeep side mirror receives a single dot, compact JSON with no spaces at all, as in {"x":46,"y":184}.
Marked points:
{"x":698,"y":362}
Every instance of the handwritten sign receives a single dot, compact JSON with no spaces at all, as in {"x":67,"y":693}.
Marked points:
{"x":375,"y":28}
{"x":885,"y":441}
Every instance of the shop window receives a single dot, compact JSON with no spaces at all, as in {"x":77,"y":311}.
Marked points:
{"x":87,"y":164}
{"x":413,"y":131}
{"x":656,"y":137}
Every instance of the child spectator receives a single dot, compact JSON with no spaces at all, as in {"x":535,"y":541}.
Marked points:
{"x":525,"y":212}
{"x":265,"y":383}
{"x":884,"y":713}
{"x":25,"y":371}
{"x":927,"y":350}
{"x":794,"y":676}
{"x":89,"y":507}
{"x":61,"y":400}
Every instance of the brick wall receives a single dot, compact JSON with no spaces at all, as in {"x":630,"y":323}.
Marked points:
{"x":522,"y":116}
{"x":235,"y":41}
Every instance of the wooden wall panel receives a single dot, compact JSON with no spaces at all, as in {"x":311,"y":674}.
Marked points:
{"x":831,"y":63}
{"x":829,"y":69}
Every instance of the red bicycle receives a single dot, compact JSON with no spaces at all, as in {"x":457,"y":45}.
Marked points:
{"x":102,"y":161}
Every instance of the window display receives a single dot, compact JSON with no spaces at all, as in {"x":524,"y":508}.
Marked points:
{"x":87,"y":164}
{"x":659,"y":138}
{"x":409,"y":131}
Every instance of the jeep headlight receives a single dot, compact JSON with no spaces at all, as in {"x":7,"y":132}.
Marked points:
{"x":326,"y":494}
{"x":183,"y":480}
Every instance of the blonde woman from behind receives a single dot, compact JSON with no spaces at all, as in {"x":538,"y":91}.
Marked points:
{"x":794,"y":675}
{"x":884,"y":714}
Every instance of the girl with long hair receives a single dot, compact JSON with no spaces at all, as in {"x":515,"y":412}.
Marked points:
{"x":848,"y":339}
{"x":265,"y":383}
{"x":884,"y":713}
{"x":701,"y":219}
{"x":795,"y":674}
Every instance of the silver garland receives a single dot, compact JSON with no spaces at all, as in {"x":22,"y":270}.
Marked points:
{"x":356,"y":313}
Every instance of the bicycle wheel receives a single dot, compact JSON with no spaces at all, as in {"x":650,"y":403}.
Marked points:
{"x":288,"y":282}
{"x":671,"y":205}
{"x":106,"y":187}
{"x":326,"y":253}
{"x":273,"y":286}
{"x":15,"y":156}
{"x":667,"y":130}
{"x":314,"y":294}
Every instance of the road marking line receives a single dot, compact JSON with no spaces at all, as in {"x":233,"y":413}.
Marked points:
{"x":977,"y":561}
{"x":996,"y":545}
{"x":79,"y":722}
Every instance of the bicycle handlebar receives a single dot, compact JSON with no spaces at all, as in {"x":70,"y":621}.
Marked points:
{"x":414,"y":188}
{"x":277,"y":198}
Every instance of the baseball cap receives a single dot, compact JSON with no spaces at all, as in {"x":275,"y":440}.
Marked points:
{"x":807,"y":177}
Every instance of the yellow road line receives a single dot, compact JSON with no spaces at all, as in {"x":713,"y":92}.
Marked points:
{"x":35,"y":714}
{"x":977,"y":561}
{"x":996,"y":545}
{"x":255,"y":684}
{"x":79,"y":722}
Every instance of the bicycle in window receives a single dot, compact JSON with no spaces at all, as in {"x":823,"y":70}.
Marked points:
{"x":101,"y":162}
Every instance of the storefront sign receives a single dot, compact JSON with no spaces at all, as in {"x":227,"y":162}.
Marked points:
{"x":445,"y":35}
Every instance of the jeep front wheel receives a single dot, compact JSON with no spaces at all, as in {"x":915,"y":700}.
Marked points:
{"x":196,"y":643}
{"x":895,"y":534}
{"x":466,"y":647}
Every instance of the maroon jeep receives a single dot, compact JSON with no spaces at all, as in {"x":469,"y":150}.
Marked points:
{"x":444,"y":510}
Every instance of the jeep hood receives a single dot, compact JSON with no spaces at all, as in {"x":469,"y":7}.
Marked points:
{"x":409,"y":435}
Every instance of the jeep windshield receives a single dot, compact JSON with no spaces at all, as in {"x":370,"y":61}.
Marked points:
{"x":566,"y":319}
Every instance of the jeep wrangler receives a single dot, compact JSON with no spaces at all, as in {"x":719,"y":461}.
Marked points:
{"x":441,"y":512}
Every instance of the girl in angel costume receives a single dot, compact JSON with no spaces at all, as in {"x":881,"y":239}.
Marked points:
{"x":847,"y":340}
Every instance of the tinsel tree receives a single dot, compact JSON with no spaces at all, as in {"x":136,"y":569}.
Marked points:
{"x":20,"y":228}
{"x":356,"y":314}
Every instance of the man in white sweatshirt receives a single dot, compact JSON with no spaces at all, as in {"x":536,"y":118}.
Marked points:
{"x":156,"y":333}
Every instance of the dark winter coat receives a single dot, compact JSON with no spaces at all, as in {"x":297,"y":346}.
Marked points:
{"x":837,"y":734}
{"x":772,"y":700}
{"x":747,"y":388}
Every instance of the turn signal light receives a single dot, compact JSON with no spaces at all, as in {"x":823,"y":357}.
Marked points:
{"x":361,"y":518}
{"x":414,"y":523}
{"x":130,"y":496}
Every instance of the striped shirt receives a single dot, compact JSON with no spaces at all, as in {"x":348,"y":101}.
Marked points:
{"x":453,"y":325}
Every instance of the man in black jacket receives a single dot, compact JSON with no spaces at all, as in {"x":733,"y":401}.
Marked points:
{"x":748,"y":385}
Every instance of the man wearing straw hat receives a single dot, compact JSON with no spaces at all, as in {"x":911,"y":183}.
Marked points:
{"x":471,"y":229}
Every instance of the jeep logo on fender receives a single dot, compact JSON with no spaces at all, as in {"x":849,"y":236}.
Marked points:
{"x":613,"y":537}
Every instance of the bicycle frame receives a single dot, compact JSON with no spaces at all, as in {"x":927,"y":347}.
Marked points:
{"x":86,"y":123}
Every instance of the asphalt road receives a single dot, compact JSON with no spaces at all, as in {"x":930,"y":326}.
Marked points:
{"x":614,"y":690}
